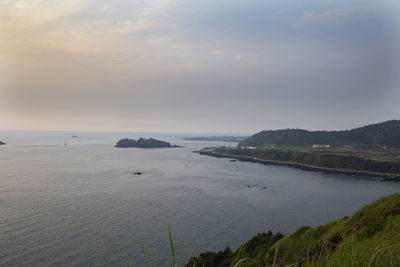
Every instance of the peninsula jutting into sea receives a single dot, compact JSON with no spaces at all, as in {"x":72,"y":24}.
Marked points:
{"x":372,"y":150}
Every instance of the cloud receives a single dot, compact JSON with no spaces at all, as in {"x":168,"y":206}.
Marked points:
{"x":44,"y":24}
{"x":330,"y":17}
{"x":38,"y":12}
{"x":191,"y":61}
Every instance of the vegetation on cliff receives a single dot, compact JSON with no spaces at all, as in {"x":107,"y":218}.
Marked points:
{"x":372,"y":136}
{"x":371,"y":237}
{"x":323,"y":160}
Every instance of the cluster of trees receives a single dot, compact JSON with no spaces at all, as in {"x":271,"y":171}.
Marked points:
{"x":255,"y":247}
{"x":371,"y":136}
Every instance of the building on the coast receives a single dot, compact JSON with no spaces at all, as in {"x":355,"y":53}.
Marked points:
{"x":247,"y":147}
{"x":316,"y":146}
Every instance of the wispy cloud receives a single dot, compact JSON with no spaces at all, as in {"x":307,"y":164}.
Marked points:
{"x":38,"y":12}
{"x":330,"y":17}
{"x":164,"y":59}
{"x":61,"y":24}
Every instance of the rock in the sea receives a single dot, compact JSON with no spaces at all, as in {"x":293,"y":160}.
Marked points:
{"x":137,"y":173}
{"x":2,"y":143}
{"x":175,"y":146}
{"x":143,"y":143}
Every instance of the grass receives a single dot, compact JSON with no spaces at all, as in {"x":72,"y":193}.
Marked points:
{"x":171,"y":263}
{"x":369,"y":238}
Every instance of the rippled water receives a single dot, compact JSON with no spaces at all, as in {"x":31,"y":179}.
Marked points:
{"x":71,"y":205}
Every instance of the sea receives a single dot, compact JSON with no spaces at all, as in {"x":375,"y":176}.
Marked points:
{"x":81,"y":204}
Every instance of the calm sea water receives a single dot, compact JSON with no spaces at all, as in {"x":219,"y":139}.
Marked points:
{"x":72,"y":205}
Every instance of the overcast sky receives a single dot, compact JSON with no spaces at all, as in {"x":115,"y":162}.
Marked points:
{"x":209,"y":66}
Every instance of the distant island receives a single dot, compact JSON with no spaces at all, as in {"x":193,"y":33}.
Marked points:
{"x":217,"y":138}
{"x":2,"y":143}
{"x":143,"y":143}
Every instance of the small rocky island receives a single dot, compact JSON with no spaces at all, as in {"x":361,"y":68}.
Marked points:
{"x":2,"y":143}
{"x":143,"y":143}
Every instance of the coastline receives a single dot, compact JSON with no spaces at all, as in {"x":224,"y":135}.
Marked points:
{"x":385,"y":176}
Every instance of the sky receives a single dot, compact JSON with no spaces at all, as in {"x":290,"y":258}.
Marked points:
{"x":209,"y":66}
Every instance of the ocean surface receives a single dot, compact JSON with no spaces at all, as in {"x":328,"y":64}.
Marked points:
{"x":77,"y":204}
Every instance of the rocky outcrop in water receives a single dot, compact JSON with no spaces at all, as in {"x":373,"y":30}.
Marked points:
{"x":2,"y":143}
{"x":143,"y":143}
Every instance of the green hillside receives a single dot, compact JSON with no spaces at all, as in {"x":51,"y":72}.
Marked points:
{"x":371,"y":136}
{"x":371,"y":237}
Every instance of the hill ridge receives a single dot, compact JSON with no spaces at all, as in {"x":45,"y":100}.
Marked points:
{"x":384,"y":134}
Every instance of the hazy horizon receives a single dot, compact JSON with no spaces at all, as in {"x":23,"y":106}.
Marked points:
{"x":167,"y":133}
{"x":173,"y":66}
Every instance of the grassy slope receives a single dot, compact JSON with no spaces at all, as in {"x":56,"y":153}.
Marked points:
{"x":371,"y":237}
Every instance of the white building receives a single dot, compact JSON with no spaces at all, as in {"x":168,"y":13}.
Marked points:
{"x":315,"y":146}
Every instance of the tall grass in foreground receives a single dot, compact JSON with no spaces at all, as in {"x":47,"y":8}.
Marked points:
{"x":382,"y":251}
{"x":237,"y":261}
{"x":172,"y":262}
{"x":369,"y":238}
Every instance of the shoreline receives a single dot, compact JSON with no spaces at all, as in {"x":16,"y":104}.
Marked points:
{"x":385,"y":176}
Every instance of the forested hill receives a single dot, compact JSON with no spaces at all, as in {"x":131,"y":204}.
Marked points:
{"x":371,"y":136}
